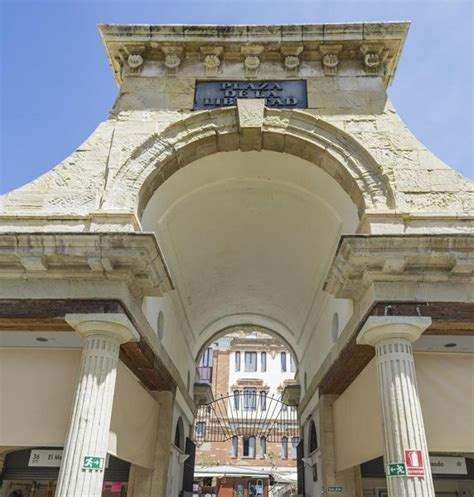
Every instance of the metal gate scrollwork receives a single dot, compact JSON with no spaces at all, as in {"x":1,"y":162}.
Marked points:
{"x":245,"y":415}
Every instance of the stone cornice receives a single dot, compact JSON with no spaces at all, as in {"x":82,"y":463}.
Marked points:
{"x":250,"y":382}
{"x":362,"y":260}
{"x":131,"y":257}
{"x":291,"y":393}
{"x":375,"y":46}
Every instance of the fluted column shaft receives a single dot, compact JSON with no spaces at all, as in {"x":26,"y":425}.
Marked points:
{"x":92,"y":408}
{"x":403,"y":425}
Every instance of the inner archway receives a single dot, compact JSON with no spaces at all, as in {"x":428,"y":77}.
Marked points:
{"x":248,"y":238}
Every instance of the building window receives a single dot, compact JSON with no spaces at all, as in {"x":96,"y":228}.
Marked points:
{"x":313,"y":437}
{"x":250,"y":361}
{"x":206,"y":358}
{"x":237,"y":361}
{"x":201,"y":429}
{"x":263,"y":400}
{"x":263,"y":361}
{"x":205,"y":366}
{"x":292,"y":364}
{"x":283,"y":362}
{"x":250,"y":399}
{"x":249,"y":447}
{"x":179,"y":434}
{"x":236,"y":400}
{"x":284,"y":448}
{"x":255,"y":487}
{"x":263,"y":446}
{"x":294,"y":446}
{"x":235,"y":446}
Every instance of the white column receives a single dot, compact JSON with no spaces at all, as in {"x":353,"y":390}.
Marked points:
{"x":392,"y":337}
{"x":92,"y":408}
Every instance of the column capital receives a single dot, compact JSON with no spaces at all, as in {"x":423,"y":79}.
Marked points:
{"x":378,"y":328}
{"x":116,"y":325}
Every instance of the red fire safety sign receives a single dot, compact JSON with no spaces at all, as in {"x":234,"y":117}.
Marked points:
{"x":414,"y":463}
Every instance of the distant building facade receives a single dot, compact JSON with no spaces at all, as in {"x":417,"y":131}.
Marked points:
{"x":250,"y":371}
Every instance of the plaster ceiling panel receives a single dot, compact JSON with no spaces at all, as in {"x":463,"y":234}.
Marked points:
{"x":248,"y":233}
{"x":245,"y":249}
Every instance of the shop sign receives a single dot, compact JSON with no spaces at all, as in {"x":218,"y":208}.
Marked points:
{"x":281,"y":94}
{"x":93,"y":462}
{"x":448,"y":465}
{"x":414,"y":463}
{"x":45,"y":458}
{"x":116,"y":487}
{"x":334,"y":490}
{"x":397,"y":469}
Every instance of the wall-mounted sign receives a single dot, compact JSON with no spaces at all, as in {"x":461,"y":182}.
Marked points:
{"x":396,"y":469}
{"x":334,"y":490}
{"x":281,"y":94}
{"x":93,"y":462}
{"x":414,"y":462}
{"x":45,"y":458}
{"x":448,"y":465}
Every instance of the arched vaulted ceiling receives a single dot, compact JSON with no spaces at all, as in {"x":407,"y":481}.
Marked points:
{"x":248,"y":237}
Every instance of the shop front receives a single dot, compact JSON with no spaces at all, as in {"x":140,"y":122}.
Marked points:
{"x":231,"y":481}
{"x":34,"y":473}
{"x":453,"y":476}
{"x":243,"y":487}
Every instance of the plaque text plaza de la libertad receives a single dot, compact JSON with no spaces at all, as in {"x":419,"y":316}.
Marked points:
{"x":281,"y":94}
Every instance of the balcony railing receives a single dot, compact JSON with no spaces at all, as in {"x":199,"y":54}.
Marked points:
{"x":205,"y":374}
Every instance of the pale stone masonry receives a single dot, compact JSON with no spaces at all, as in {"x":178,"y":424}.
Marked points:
{"x":404,"y":183}
{"x":312,"y":217}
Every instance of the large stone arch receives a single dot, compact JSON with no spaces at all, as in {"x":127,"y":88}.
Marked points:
{"x":288,"y":131}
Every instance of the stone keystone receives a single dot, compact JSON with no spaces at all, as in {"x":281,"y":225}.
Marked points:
{"x":251,"y":114}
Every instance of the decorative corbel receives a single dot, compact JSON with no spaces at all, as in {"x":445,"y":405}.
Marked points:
{"x":291,"y":60}
{"x":212,"y":60}
{"x":173,"y":59}
{"x":135,"y":63}
{"x":373,"y":60}
{"x":330,"y":60}
{"x":251,"y":64}
{"x":252,"y":59}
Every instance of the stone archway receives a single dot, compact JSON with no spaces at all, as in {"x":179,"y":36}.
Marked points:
{"x":234,"y":323}
{"x":288,"y":131}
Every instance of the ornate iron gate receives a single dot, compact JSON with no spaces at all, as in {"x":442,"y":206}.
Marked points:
{"x":246,"y":415}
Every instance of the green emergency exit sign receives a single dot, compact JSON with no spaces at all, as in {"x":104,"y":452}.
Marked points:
{"x":93,"y":462}
{"x":397,"y":469}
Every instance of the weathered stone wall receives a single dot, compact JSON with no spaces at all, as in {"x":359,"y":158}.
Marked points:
{"x":347,"y":69}
{"x":420,"y":182}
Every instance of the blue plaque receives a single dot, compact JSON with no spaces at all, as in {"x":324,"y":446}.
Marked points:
{"x":282,"y":94}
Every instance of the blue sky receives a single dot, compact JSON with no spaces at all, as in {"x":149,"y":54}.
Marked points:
{"x":56,"y":85}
